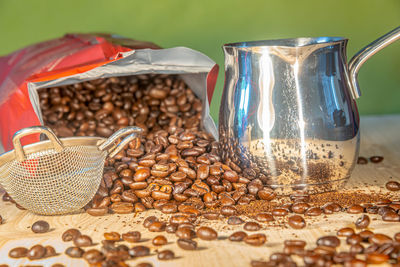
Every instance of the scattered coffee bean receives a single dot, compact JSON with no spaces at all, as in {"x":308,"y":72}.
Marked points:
{"x":376,"y":159}
{"x":313,"y":211}
{"x":36,"y":252}
{"x":74,"y":252}
{"x":251,"y":226}
{"x":355,"y":209}
{"x":165,"y":255}
{"x":185,"y":233}
{"x":70,"y":234}
{"x":264,"y":217}
{"x":392,"y":186}
{"x":362,"y":222}
{"x":296,"y":222}
{"x":377,"y":258}
{"x":206,"y":233}
{"x":112,"y":236}
{"x":18,"y":252}
{"x":234,"y":220}
{"x":187,"y":244}
{"x":157,"y":226}
{"x":353,"y":239}
{"x":159,"y":240}
{"x":139,"y":251}
{"x":345,"y":232}
{"x":149,"y":220}
{"x":228,"y":211}
{"x":255,"y":239}
{"x":329,"y":241}
{"x":93,"y":256}
{"x":83,"y":241}
{"x":279,"y":212}
{"x":132,"y":237}
{"x":362,"y":160}
{"x":237,"y":236}
{"x":50,"y":251}
{"x":40,"y":227}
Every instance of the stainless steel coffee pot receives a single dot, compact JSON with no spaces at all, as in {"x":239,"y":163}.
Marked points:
{"x":288,"y":114}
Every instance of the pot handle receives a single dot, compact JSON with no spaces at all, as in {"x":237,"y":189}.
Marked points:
{"x":131,"y":131}
{"x":364,"y":54}
{"x":19,"y":151}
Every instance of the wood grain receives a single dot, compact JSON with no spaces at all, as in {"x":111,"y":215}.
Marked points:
{"x":379,"y":136}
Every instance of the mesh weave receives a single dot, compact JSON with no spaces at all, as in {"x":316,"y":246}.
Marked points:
{"x":50,"y":182}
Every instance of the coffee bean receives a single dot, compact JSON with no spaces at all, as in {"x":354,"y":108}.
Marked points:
{"x":366,"y":235}
{"x":40,"y":227}
{"x":345,"y":232}
{"x":255,"y":239}
{"x":266,"y":194}
{"x":313,"y":211}
{"x":132,"y":237}
{"x":74,"y":252}
{"x":157,"y":226}
{"x":251,"y":226}
{"x":264,"y":217}
{"x":353,"y":239}
{"x":397,"y":237}
{"x":50,"y":251}
{"x":356,"y":249}
{"x":355,"y":209}
{"x":211,"y":215}
{"x":112,"y":236}
{"x":186,"y":244}
{"x":93,"y":256}
{"x":18,"y":252}
{"x":377,"y":258}
{"x":206,"y":233}
{"x":144,"y":264}
{"x":380,"y":239}
{"x":83,"y":241}
{"x":36,"y":252}
{"x":279,"y":212}
{"x":139,"y":251}
{"x":329,"y":241}
{"x":234,"y":220}
{"x":122,"y":207}
{"x":70,"y":234}
{"x":231,"y":176}
{"x":362,"y":222}
{"x":300,"y":207}
{"x":97,"y":211}
{"x":228,"y":211}
{"x":165,"y":255}
{"x":376,"y":159}
{"x":159,"y":240}
{"x":362,"y":160}
{"x":185,"y":233}
{"x":392,"y":186}
{"x":171,"y":228}
{"x":237,"y":236}
{"x":296,"y":222}
{"x":149,"y":220}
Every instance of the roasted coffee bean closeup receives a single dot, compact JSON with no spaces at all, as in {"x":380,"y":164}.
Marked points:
{"x":40,"y":227}
{"x":18,"y":252}
{"x":70,"y":234}
{"x":165,"y":255}
{"x":186,"y":244}
{"x":206,"y":233}
{"x":393,"y":186}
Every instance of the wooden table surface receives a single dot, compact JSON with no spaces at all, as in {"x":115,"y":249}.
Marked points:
{"x":380,"y":135}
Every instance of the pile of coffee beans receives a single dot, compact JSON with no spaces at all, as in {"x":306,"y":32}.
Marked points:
{"x":100,"y":107}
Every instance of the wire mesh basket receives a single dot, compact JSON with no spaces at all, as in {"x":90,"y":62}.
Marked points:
{"x":58,"y":176}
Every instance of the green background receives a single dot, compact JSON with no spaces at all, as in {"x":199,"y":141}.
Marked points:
{"x":206,"y":25}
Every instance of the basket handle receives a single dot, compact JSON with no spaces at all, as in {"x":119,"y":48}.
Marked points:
{"x":133,"y":132}
{"x":19,"y":151}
